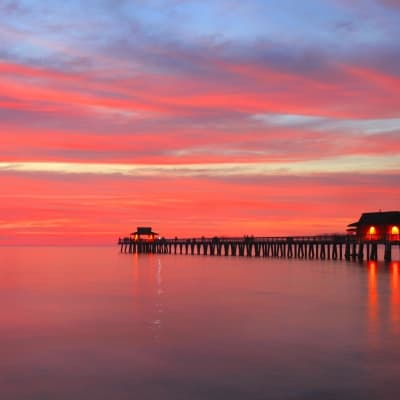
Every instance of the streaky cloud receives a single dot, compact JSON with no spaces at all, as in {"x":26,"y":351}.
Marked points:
{"x":357,"y":164}
{"x":318,"y":123}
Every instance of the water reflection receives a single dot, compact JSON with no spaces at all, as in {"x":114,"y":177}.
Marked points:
{"x":159,"y":304}
{"x":148,"y":291}
{"x":135,"y":268}
{"x":395,"y":297}
{"x":372,"y":299}
{"x":383,"y":298}
{"x":92,"y":323}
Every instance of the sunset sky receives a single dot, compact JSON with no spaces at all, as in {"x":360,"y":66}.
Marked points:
{"x":224,"y":117}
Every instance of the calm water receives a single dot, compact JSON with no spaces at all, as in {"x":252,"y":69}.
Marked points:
{"x":90,"y":323}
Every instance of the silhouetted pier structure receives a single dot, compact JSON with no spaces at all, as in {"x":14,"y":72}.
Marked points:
{"x":323,"y":247}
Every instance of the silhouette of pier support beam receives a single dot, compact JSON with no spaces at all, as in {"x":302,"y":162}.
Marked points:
{"x":226,"y":249}
{"x":374,"y":252}
{"x":347,"y":252}
{"x":360,"y":253}
{"x":322,"y":254}
{"x":354,"y":251}
{"x":388,"y":251}
{"x":334,"y":252}
{"x":311,"y":253}
{"x":290,"y":251}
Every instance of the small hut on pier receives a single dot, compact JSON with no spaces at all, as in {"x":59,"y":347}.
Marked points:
{"x":382,"y":225}
{"x":144,"y":233}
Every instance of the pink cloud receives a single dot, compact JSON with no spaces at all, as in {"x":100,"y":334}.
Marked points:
{"x":50,"y":115}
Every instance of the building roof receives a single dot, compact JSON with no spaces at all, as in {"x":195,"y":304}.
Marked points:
{"x":378,"y":218}
{"x":144,"y":230}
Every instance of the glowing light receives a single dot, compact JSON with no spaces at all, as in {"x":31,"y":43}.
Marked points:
{"x":371,"y":232}
{"x":395,"y":230}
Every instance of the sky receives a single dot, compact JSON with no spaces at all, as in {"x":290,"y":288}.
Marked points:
{"x":198,"y":118}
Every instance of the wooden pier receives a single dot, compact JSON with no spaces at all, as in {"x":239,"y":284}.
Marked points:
{"x":325,"y":247}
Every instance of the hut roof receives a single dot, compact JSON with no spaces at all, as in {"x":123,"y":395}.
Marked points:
{"x":378,"y":218}
{"x":144,"y":230}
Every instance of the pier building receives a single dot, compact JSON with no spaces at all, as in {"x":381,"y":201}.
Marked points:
{"x":144,"y":233}
{"x":382,"y":225}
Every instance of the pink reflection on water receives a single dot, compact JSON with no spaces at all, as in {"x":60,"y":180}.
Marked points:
{"x":94,"y":323}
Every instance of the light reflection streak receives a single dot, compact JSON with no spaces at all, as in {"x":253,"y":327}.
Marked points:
{"x":395,"y":297}
{"x":390,"y":312}
{"x":159,"y":306}
{"x":135,"y":268}
{"x":148,"y":286}
{"x":159,"y":277}
{"x":372,"y":299}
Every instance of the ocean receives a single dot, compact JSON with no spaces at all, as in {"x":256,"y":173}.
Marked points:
{"x":91,"y":323}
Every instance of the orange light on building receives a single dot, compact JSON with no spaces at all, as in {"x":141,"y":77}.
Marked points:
{"x":136,"y":237}
{"x":372,"y":232}
{"x":395,"y":233}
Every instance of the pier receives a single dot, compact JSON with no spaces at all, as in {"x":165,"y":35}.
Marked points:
{"x":324,"y":247}
{"x":359,"y":243}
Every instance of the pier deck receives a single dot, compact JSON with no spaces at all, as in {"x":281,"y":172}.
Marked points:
{"x":322,"y":247}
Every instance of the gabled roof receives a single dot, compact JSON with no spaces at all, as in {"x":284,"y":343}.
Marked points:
{"x":378,"y":218}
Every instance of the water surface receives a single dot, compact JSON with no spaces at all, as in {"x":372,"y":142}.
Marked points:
{"x":79,"y":323}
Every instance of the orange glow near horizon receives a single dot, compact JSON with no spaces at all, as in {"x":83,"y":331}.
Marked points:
{"x":79,"y":210}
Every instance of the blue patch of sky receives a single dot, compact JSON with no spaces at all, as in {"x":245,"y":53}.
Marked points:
{"x":55,"y":33}
{"x":312,"y":22}
{"x":332,"y":25}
